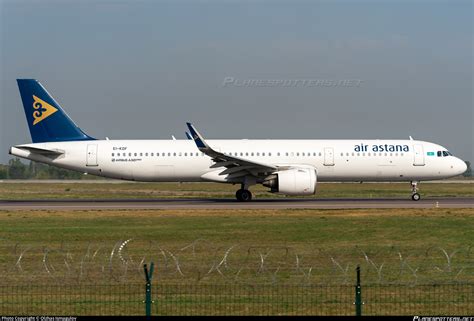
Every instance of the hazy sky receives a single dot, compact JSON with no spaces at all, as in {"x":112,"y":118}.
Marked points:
{"x":141,"y":69}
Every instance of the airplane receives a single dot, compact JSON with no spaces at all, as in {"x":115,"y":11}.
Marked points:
{"x":288,"y":167}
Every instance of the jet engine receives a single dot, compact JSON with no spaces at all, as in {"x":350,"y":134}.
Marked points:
{"x":293,"y":181}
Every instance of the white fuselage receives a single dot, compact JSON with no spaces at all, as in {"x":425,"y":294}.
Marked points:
{"x":181,"y":161}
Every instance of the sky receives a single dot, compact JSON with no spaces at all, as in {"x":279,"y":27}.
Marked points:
{"x":142,"y":69}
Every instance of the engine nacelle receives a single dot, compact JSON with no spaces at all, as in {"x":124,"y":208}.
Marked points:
{"x":295,"y":181}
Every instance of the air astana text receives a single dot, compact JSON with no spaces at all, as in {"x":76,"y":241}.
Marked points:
{"x":382,"y":148}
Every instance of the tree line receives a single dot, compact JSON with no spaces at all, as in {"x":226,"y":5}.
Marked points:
{"x":16,"y":169}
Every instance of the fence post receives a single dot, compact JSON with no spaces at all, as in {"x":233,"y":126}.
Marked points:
{"x":148,"y":277}
{"x":358,"y":294}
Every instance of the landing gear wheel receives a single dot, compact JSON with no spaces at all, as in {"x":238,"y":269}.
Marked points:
{"x":243,"y":195}
{"x":414,"y":191}
{"x":416,"y":197}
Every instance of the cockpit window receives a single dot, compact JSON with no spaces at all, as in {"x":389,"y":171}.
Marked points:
{"x":443,"y":153}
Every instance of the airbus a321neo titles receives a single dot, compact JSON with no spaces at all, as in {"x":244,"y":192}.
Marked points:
{"x":289,"y":167}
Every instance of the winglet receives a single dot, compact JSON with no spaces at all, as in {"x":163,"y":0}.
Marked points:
{"x":198,"y":139}
{"x":188,"y":136}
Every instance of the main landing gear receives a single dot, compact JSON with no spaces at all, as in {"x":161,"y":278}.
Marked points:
{"x":243,"y":195}
{"x":414,"y":190}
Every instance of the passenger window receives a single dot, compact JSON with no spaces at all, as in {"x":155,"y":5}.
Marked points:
{"x":286,"y":153}
{"x":146,"y":154}
{"x":112,"y":154}
{"x":269,"y":154}
{"x":258,"y":154}
{"x":135,"y":154}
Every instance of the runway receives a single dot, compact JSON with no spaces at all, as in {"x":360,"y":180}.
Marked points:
{"x":130,"y":204}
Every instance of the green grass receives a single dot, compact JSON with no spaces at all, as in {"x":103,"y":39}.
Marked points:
{"x":104,"y":190}
{"x":314,"y":235}
{"x":64,"y":252}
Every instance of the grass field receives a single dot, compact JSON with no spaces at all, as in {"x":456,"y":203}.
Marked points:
{"x":97,"y":190}
{"x":234,"y":261}
{"x":329,"y":242}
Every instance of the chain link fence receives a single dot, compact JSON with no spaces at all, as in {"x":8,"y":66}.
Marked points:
{"x":236,"y":299}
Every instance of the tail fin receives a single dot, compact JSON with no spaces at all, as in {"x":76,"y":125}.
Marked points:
{"x":46,"y":119}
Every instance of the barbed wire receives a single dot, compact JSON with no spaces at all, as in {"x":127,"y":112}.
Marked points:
{"x":205,"y":261}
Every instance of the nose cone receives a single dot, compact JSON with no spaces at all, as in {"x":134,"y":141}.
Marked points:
{"x":460,"y":166}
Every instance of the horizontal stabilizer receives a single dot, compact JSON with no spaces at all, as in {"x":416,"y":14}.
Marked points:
{"x":41,"y":151}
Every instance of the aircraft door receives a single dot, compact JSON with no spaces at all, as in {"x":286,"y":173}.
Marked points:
{"x":328,"y":156}
{"x":419,"y":159}
{"x":92,"y":155}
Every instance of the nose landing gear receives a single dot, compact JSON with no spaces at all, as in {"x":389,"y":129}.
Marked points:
{"x":414,"y":190}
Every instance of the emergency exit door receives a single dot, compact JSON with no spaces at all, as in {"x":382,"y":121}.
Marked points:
{"x":328,"y":156}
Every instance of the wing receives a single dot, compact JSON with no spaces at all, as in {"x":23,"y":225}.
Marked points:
{"x":235,"y":167}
